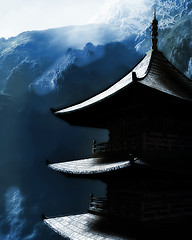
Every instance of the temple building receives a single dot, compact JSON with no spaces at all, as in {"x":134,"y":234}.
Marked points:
{"x":146,"y":163}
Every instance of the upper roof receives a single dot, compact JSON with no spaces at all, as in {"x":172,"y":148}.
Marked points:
{"x":154,"y":71}
{"x":164,"y":77}
{"x":153,"y":74}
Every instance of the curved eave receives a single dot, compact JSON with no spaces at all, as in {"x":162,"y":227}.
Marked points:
{"x":139,"y":71}
{"x":89,"y":166}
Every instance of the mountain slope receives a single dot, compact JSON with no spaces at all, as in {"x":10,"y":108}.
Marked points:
{"x":43,"y":61}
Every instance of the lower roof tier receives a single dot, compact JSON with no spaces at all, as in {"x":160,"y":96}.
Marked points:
{"x":82,"y":227}
{"x":129,"y":167}
{"x":91,"y":166}
{"x":94,"y":227}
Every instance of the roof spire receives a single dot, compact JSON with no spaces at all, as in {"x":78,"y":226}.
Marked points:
{"x":155,"y":13}
{"x":154,"y":32}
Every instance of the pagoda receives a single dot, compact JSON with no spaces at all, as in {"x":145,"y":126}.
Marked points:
{"x":146,"y":163}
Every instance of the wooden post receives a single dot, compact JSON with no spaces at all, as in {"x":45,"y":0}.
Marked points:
{"x":94,"y":146}
{"x":91,"y":199}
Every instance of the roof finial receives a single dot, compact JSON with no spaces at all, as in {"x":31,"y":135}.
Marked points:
{"x":154,"y":32}
{"x":155,"y":13}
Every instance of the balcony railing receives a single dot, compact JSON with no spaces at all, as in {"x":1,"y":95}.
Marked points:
{"x":99,"y":148}
{"x":98,"y":205}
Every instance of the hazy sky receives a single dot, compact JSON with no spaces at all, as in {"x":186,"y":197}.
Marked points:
{"x":17,"y":16}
